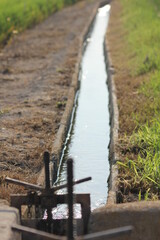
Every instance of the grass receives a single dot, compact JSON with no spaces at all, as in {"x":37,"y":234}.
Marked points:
{"x":140,"y":174}
{"x":143,"y":174}
{"x":141,"y":19}
{"x":17,"y":15}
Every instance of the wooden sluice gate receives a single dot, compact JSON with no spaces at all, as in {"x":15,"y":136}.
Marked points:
{"x":39,"y":200}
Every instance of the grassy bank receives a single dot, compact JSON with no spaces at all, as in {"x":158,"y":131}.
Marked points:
{"x":140,"y":172}
{"x":15,"y":15}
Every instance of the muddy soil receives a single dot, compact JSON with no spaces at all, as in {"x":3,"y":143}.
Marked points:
{"x":36,"y":70}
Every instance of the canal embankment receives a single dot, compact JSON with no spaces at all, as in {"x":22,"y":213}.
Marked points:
{"x":133,"y":39}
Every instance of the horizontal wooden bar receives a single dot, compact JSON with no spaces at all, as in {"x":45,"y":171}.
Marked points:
{"x":36,"y":233}
{"x":40,"y":188}
{"x":25,"y":199}
{"x":24,"y":184}
{"x":74,"y":183}
{"x":108,"y":234}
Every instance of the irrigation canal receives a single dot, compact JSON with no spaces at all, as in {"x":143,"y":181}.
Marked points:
{"x":89,"y":137}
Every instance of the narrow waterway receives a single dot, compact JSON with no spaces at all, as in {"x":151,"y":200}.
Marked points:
{"x":90,"y":134}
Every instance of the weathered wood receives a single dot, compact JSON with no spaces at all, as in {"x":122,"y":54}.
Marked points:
{"x":70,"y":198}
{"x":46,"y":159}
{"x":46,"y":199}
{"x":40,"y":235}
{"x":28,"y":233}
{"x":51,"y":201}
{"x":24,"y":184}
{"x":40,"y":188}
{"x":108,"y":234}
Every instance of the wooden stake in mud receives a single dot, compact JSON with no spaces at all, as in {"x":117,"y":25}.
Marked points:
{"x":70,"y":198}
{"x":47,"y":174}
{"x":46,"y":159}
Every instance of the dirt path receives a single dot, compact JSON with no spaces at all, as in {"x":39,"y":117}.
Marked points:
{"x":36,"y":69}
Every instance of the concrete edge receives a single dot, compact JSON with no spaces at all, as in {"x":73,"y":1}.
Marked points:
{"x":8,"y":217}
{"x":58,"y":144}
{"x":142,"y":216}
{"x":114,"y":123}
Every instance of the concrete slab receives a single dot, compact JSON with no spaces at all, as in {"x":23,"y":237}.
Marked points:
{"x":8,"y":217}
{"x":143,"y":216}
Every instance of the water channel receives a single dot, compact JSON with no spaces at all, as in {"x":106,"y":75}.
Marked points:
{"x":89,"y":137}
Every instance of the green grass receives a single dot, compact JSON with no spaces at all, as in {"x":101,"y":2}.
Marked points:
{"x":142,"y":20}
{"x":145,"y":170}
{"x":142,"y":23}
{"x":17,"y":15}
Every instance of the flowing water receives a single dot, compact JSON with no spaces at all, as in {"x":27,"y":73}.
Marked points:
{"x":90,"y":135}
